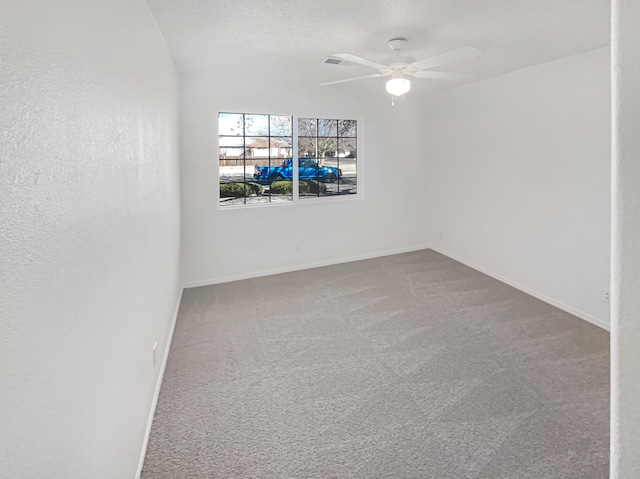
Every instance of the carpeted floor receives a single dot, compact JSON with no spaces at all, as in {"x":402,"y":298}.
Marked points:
{"x":406,"y":366}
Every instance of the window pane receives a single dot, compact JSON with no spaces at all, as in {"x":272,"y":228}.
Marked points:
{"x":348,"y":168}
{"x":281,"y":125}
{"x":308,"y":169}
{"x":348,"y":183}
{"x":256,"y":125}
{"x":347,"y":163}
{"x":309,"y":188}
{"x":255,"y":192}
{"x":231,"y":170}
{"x":307,"y":127}
{"x":280,"y":190}
{"x":231,"y":153}
{"x":327,"y":127}
{"x":347,"y":128}
{"x":231,"y":141}
{"x":327,"y":147}
{"x":257,"y":148}
{"x":347,"y":148}
{"x":230,"y":124}
{"x":309,"y":173}
{"x":281,"y":147}
{"x":307,"y":148}
{"x":232,"y":193}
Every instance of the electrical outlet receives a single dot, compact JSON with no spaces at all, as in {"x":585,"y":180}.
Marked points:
{"x":298,"y":248}
{"x":155,"y":347}
{"x":441,"y":234}
{"x":606,"y":296}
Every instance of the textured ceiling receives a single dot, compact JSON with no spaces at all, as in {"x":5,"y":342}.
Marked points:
{"x":287,"y":40}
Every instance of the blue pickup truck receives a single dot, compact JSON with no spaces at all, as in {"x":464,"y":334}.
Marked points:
{"x":307,"y":170}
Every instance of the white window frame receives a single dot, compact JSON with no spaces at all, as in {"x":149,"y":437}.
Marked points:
{"x":296,"y":199}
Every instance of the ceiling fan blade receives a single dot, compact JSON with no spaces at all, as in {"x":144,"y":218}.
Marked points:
{"x":441,"y":75}
{"x":362,"y":61}
{"x":457,"y":55}
{"x":356,"y":78}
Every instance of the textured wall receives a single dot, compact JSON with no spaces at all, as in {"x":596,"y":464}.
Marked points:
{"x":89,"y":233}
{"x":520,"y":179}
{"x":625,"y":271}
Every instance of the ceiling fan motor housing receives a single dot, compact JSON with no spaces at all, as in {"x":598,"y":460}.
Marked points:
{"x":396,"y":44}
{"x":399,"y":63}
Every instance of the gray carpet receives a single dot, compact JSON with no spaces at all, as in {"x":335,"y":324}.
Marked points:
{"x":407,"y":366}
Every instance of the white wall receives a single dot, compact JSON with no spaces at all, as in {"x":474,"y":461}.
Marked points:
{"x":519,"y":170}
{"x":89,"y":233}
{"x":625,"y":271}
{"x":220,"y":245}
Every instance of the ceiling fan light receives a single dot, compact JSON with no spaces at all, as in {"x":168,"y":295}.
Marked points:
{"x":398,"y":86}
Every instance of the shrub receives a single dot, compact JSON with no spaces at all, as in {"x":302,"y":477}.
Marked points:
{"x":311,"y":187}
{"x":316,"y":187}
{"x":303,"y":187}
{"x":239,"y":190}
{"x":256,"y":189}
{"x":284,"y":187}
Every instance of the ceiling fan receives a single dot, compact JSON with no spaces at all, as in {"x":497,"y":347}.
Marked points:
{"x":399,"y":67}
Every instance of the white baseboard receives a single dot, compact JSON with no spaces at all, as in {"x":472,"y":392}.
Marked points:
{"x":554,"y":302}
{"x":156,"y":393}
{"x":269,"y":272}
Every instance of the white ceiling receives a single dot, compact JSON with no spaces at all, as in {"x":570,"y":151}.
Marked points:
{"x":287,"y":40}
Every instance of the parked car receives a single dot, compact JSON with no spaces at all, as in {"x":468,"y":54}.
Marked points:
{"x":307,"y":170}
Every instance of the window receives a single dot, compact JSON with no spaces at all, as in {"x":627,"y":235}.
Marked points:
{"x":259,"y":164}
{"x":253,"y":148}
{"x":327,"y":157}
